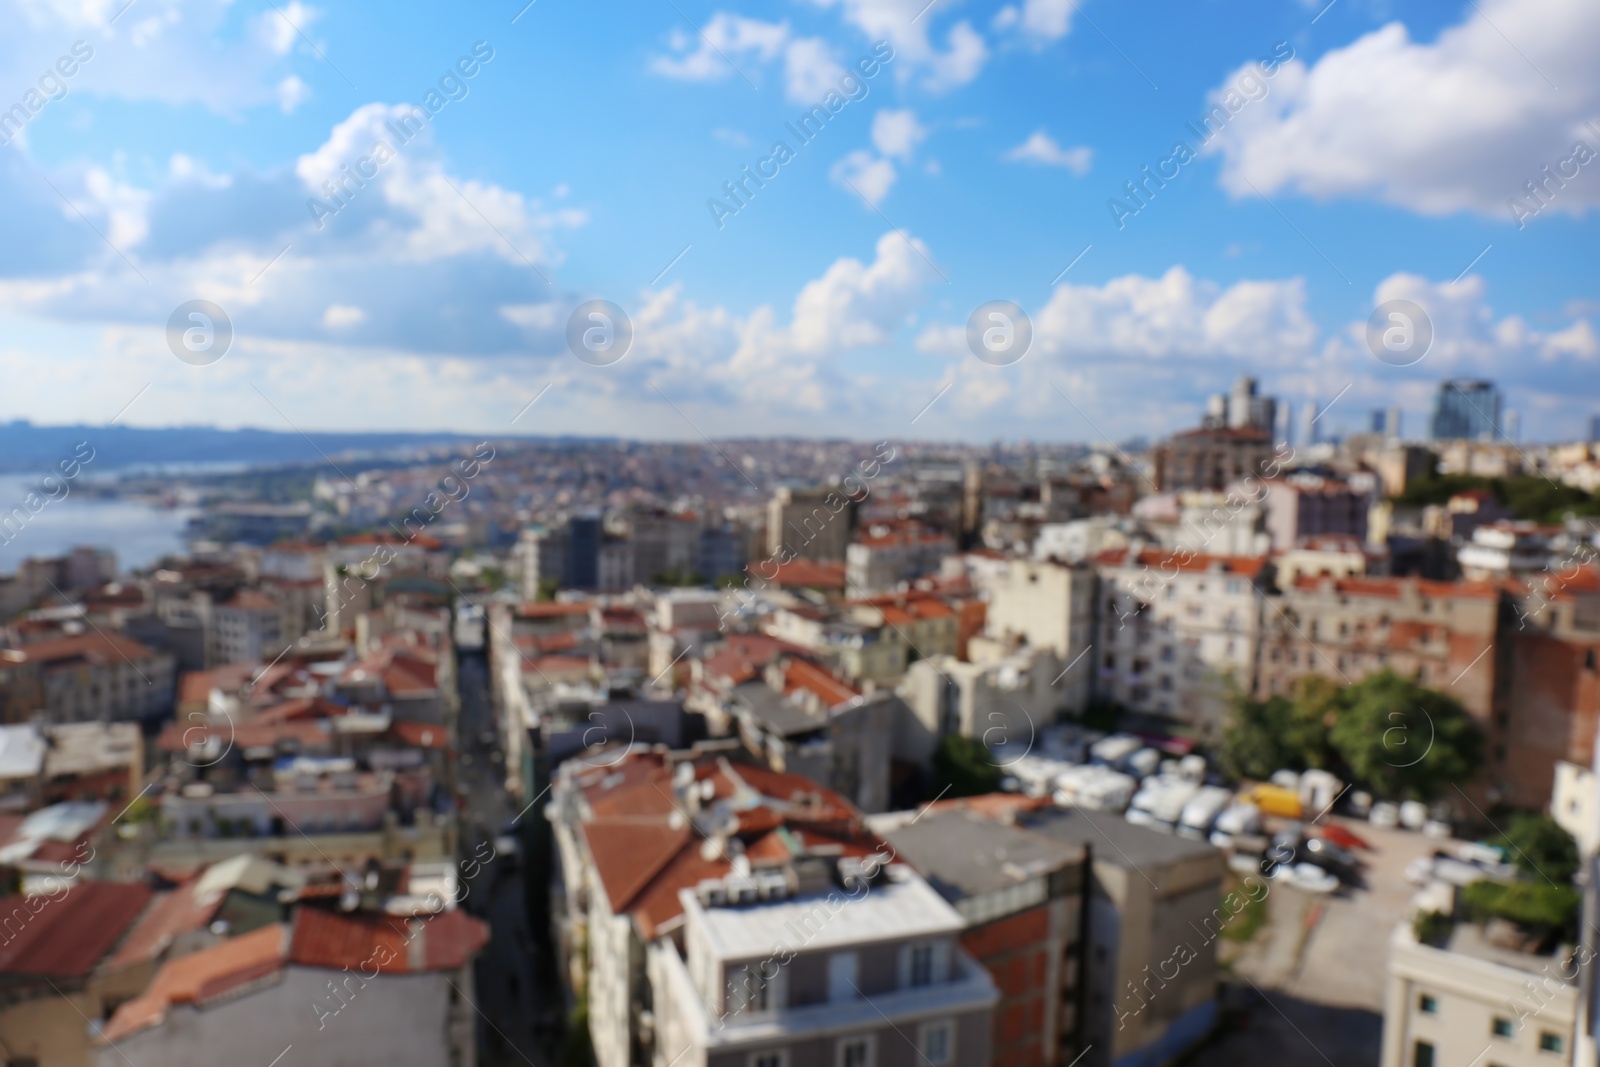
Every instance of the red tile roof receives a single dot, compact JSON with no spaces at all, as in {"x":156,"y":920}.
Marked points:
{"x":815,"y":573}
{"x":199,"y":977}
{"x":420,"y":734}
{"x":804,"y":675}
{"x":68,"y":935}
{"x":645,"y":851}
{"x":1183,"y":560}
{"x":174,"y":912}
{"x":96,"y":647}
{"x":369,"y":941}
{"x":550,"y":610}
{"x":1394,"y":588}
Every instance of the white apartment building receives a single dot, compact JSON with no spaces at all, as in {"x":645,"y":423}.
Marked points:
{"x":1173,"y":628}
{"x":1475,"y":1002}
{"x":864,"y":976}
{"x":247,"y":628}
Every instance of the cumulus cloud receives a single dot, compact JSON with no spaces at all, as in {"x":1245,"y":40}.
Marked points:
{"x":1041,"y":21}
{"x":1459,"y":124}
{"x":916,"y":55}
{"x":292,"y":92}
{"x":1141,"y":352}
{"x":385,"y":247}
{"x":895,"y":135}
{"x":1042,"y":149}
{"x":169,"y":51}
{"x":810,"y":68}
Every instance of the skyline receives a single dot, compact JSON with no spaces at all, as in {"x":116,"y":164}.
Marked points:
{"x":988,"y":157}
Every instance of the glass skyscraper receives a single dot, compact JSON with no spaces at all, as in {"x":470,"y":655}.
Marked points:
{"x":1467,"y":409}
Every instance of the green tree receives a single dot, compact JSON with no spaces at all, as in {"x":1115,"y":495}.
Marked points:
{"x":1254,"y":740}
{"x":1262,"y":736}
{"x":1405,"y":741}
{"x":1540,"y":848}
{"x":963,"y":764}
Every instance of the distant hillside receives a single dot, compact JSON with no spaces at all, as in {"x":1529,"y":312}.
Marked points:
{"x":25,"y":447}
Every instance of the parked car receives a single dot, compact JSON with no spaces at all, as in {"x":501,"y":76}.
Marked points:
{"x":1413,"y":814}
{"x":1330,"y":857}
{"x":1306,"y":876}
{"x":1343,"y":837}
{"x":1385,"y":814}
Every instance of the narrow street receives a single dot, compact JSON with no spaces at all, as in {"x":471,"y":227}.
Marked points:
{"x":517,"y":1012}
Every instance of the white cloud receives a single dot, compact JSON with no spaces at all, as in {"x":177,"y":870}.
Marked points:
{"x":1461,"y":123}
{"x":810,"y":70}
{"x":865,"y":175}
{"x":292,"y":92}
{"x":343,"y":316}
{"x":897,"y":22}
{"x":1048,"y":20}
{"x":896,"y":134}
{"x":171,"y":51}
{"x":727,"y":40}
{"x":1041,"y":148}
{"x":283,"y":25}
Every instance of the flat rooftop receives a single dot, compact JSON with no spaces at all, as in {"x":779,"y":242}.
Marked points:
{"x":965,"y":855}
{"x":1113,"y":838}
{"x":903,"y":906}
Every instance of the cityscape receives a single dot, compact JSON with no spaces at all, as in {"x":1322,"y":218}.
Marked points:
{"x":870,"y":533}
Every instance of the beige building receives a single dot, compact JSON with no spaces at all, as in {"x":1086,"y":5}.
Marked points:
{"x":1050,"y":606}
{"x":92,"y":676}
{"x":1155,"y":911}
{"x":1472,"y":1001}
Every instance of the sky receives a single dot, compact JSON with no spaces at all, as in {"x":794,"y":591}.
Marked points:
{"x":399,"y":216}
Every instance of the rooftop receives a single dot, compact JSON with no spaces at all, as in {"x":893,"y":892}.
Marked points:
{"x":1115,"y":840}
{"x":963,"y":854}
{"x":895,"y":909}
{"x":68,"y":935}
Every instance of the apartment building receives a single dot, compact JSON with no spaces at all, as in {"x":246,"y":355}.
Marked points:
{"x":1548,"y":707}
{"x":1441,"y":633}
{"x":1047,"y":605}
{"x":247,"y":628}
{"x":94,"y":676}
{"x":1475,"y":999}
{"x":816,"y":523}
{"x":1175,"y":630}
{"x":1021,"y":895}
{"x":346,"y":988}
{"x":1155,"y":908}
{"x":1302,"y":505}
{"x":735,"y":916}
{"x":887,"y":555}
{"x":1212,"y":457}
{"x":1000,"y":698}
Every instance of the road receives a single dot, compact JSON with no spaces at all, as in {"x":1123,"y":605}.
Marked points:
{"x":517,"y":1017}
{"x":1309,"y":987}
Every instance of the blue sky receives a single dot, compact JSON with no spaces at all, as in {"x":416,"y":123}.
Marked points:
{"x":1368,"y":152}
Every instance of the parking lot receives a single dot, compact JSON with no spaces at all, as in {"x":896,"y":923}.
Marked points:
{"x":1311,"y":981}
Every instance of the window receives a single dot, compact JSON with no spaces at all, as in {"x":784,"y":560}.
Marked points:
{"x":936,"y":1044}
{"x":856,"y":1052}
{"x":1549,"y":1042}
{"x":749,"y":992}
{"x":1422,"y":1055}
{"x":1501,"y":1027}
{"x":842,"y":982}
{"x":922,"y":965}
{"x":769,"y":1059}
{"x":1427,"y":1005}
